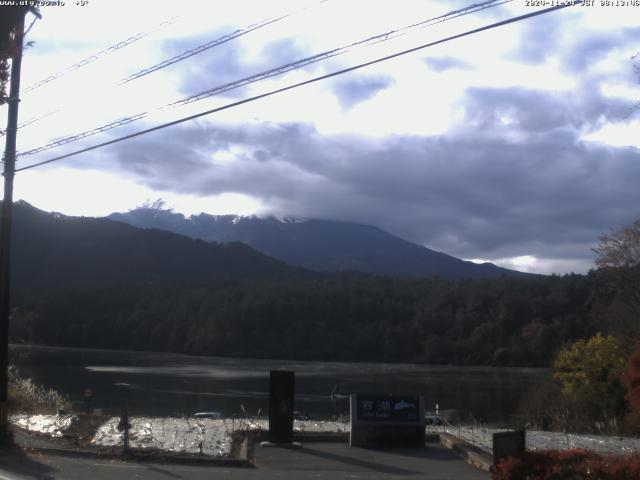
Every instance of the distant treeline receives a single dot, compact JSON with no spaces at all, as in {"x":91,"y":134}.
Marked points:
{"x":348,"y":317}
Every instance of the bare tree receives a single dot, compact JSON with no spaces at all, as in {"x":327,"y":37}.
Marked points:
{"x":619,"y":248}
{"x":618,"y":261}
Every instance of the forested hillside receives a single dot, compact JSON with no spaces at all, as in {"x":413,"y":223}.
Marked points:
{"x":348,"y":317}
{"x":55,"y":251}
{"x":96,"y":283}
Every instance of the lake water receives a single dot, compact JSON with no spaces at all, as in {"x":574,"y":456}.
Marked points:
{"x":170,"y":384}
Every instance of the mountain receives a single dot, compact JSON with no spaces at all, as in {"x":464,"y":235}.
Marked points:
{"x":323,"y":245}
{"x":54,"y":250}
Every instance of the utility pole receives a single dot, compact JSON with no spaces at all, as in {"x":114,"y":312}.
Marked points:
{"x":5,"y":226}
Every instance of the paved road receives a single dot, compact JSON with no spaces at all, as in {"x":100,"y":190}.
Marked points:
{"x":313,"y":461}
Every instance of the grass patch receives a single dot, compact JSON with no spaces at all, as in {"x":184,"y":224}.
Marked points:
{"x":24,"y":396}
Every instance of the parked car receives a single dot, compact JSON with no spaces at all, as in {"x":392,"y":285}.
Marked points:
{"x":212,"y":415}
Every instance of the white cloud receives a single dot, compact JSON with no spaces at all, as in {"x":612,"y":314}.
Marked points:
{"x":547,"y":266}
{"x":619,"y":134}
{"x":96,"y":193}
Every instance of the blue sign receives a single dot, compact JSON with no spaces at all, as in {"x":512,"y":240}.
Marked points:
{"x":381,"y":408}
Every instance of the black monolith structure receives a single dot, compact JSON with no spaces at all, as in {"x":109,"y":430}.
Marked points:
{"x":281,"y":392}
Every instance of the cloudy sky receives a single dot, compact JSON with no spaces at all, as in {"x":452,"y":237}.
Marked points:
{"x":518,"y":145}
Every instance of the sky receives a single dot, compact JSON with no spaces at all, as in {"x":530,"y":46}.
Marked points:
{"x":518,"y":145}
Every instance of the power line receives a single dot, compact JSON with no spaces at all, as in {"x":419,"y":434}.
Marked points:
{"x":37,"y":119}
{"x":32,"y":120}
{"x":141,"y":73}
{"x":213,"y":43}
{"x":273,"y":72}
{"x":383,"y":37}
{"x":88,"y":133}
{"x":99,"y":55}
{"x":300,"y":84}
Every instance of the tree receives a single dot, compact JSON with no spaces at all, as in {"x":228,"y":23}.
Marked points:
{"x":590,"y":373}
{"x":9,"y":19}
{"x":619,"y":248}
{"x":618,"y":259}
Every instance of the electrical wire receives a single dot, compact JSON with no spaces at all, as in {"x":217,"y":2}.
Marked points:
{"x":383,"y":37}
{"x":273,"y":72}
{"x":300,"y":84}
{"x":213,"y":43}
{"x":32,"y":120}
{"x":99,"y":55}
{"x":177,"y":58}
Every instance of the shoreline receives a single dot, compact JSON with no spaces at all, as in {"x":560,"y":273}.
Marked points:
{"x":281,"y":360}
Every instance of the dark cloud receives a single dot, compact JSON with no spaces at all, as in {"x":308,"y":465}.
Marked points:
{"x":354,"y":90}
{"x":548,"y":36}
{"x":216,"y":66}
{"x":511,"y":178}
{"x":536,"y":112}
{"x":474,"y":194}
{"x":282,"y":52}
{"x":591,"y":48}
{"x":540,"y":39}
{"x":440,"y":64}
{"x":227,"y":63}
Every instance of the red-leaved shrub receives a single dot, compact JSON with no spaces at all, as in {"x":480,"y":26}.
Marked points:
{"x":631,"y":378}
{"x":567,"y":465}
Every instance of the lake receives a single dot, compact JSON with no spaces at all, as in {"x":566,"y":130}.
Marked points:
{"x":170,"y":384}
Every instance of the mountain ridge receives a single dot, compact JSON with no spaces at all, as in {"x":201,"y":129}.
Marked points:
{"x":317,"y":244}
{"x":56,"y":250}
